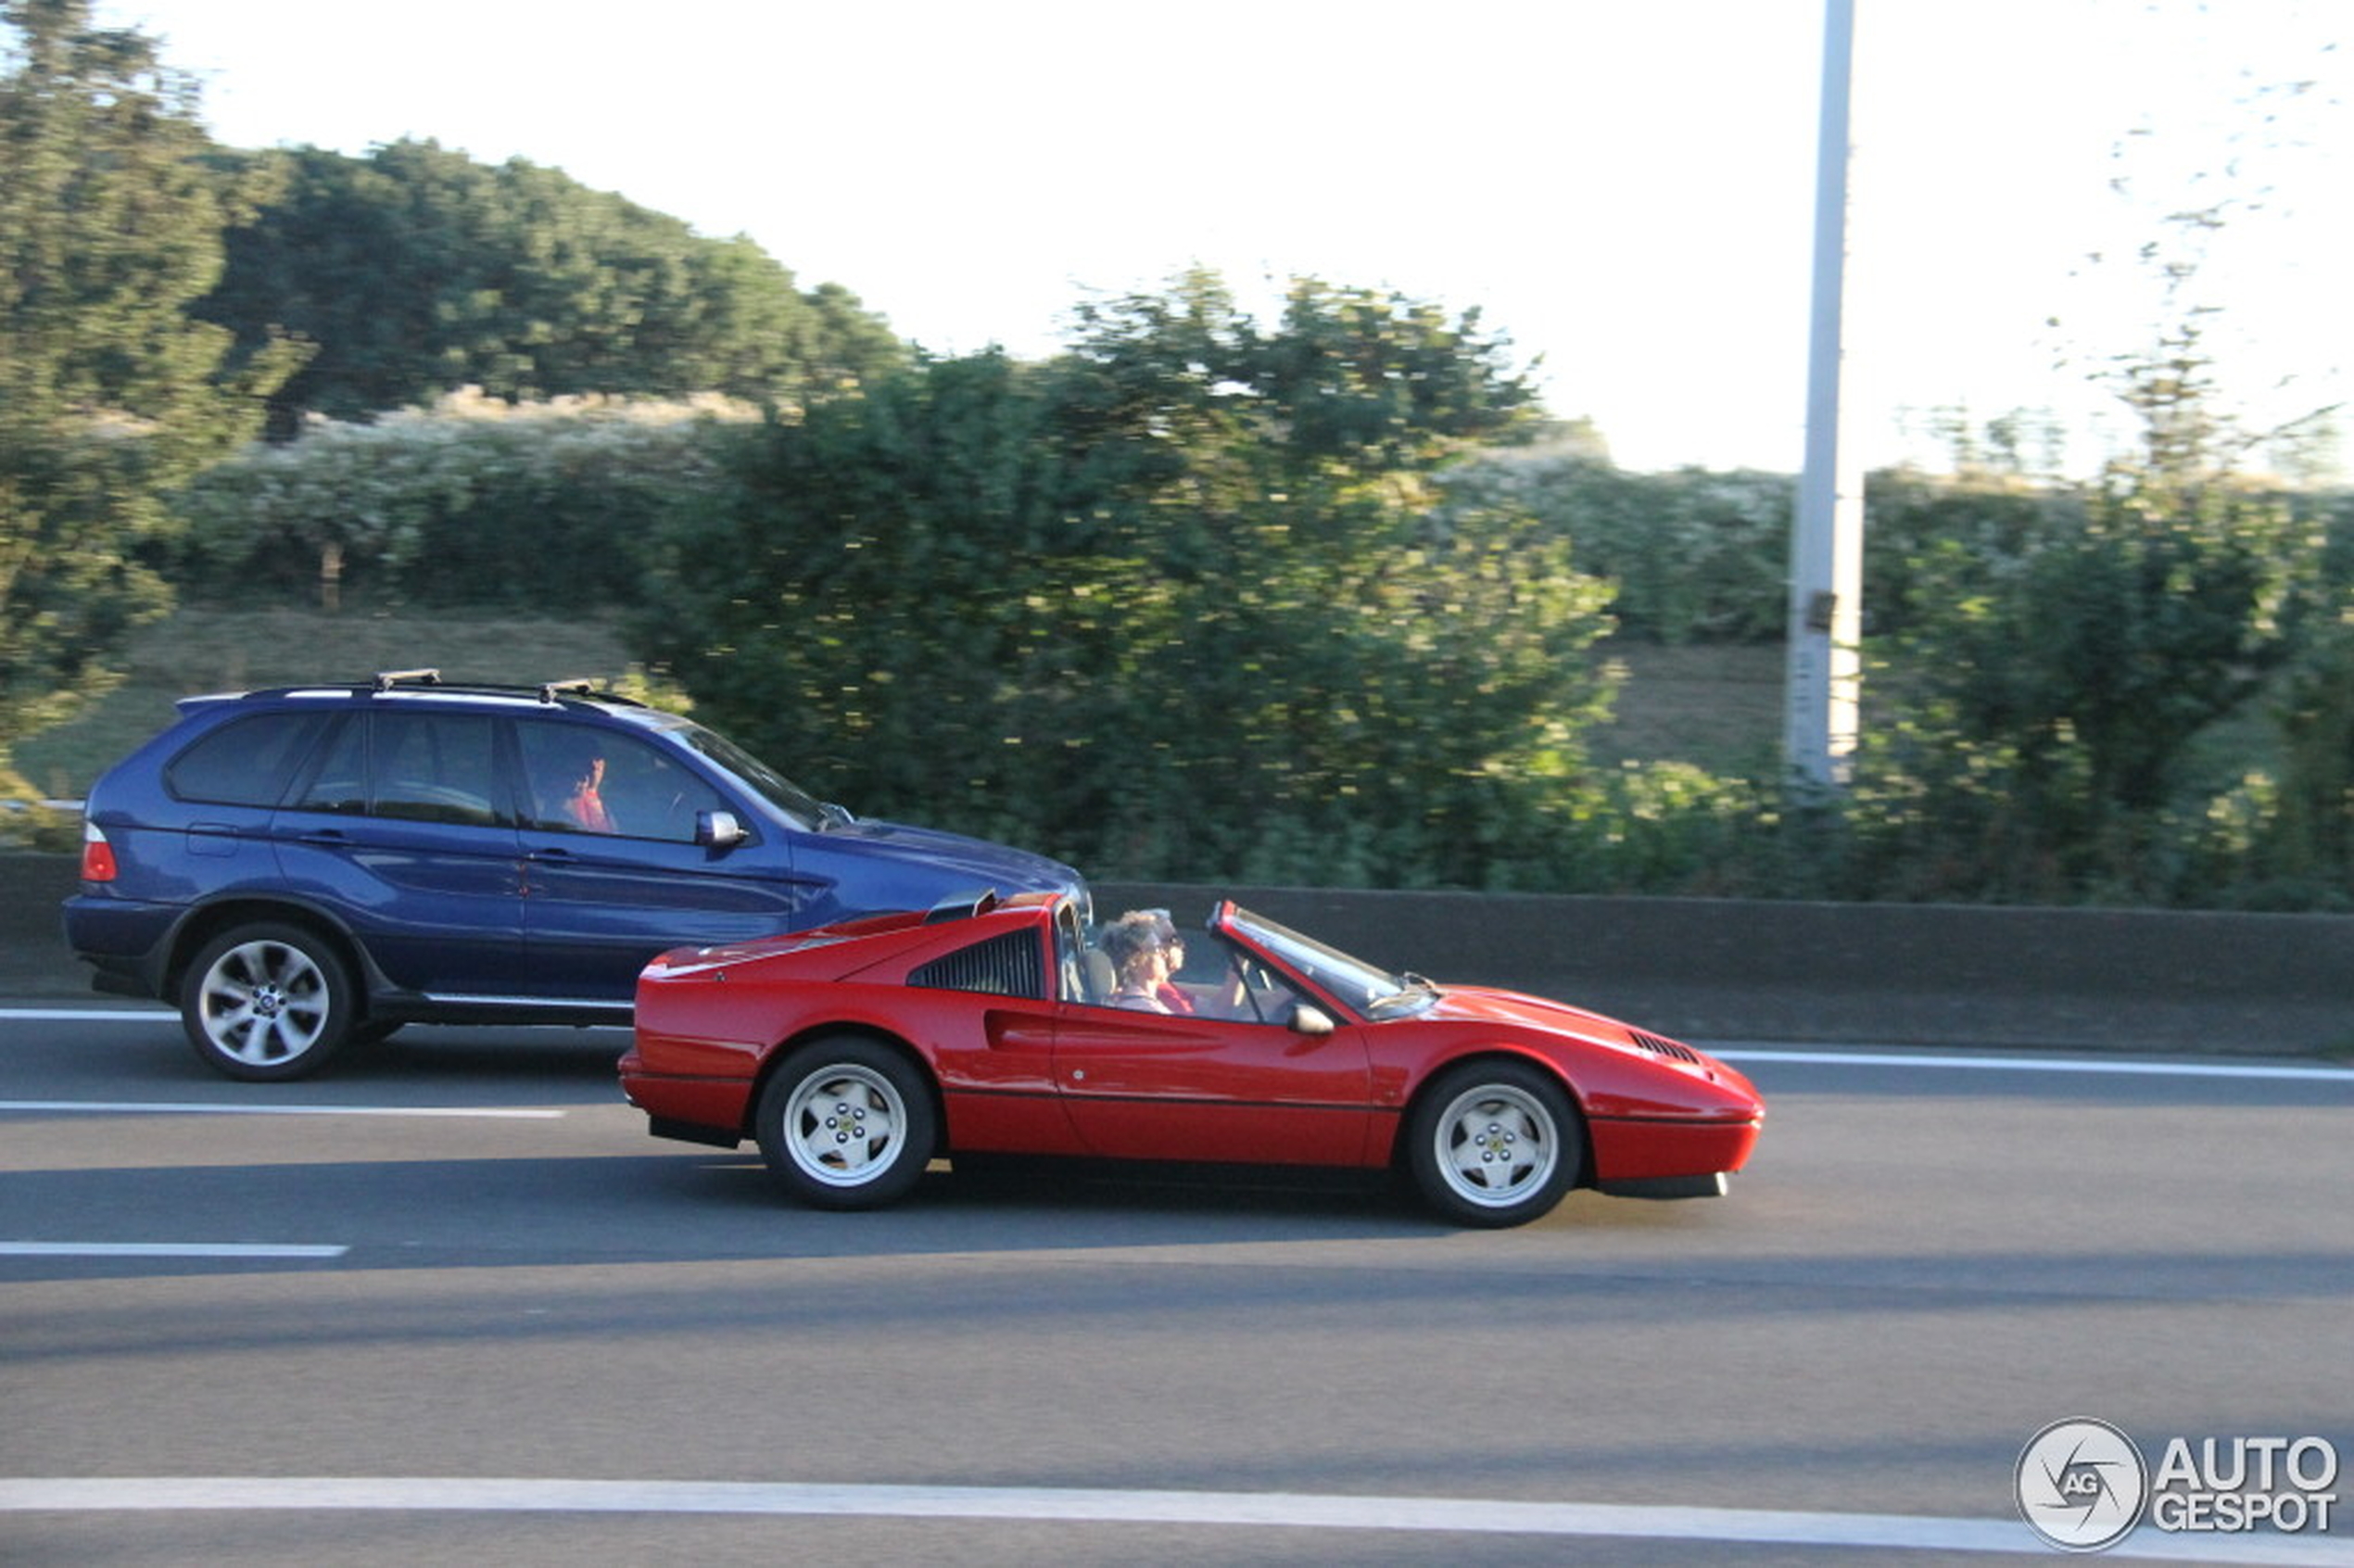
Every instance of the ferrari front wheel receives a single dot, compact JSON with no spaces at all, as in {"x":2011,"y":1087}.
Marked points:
{"x":1494,"y":1144}
{"x":846,"y":1123}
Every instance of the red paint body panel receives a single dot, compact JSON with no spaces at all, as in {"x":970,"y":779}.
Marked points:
{"x":1058,"y":1074}
{"x":1142,"y":1086}
{"x":1634,"y":1150}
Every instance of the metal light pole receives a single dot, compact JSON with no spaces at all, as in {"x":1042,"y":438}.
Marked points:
{"x":1827,"y":540}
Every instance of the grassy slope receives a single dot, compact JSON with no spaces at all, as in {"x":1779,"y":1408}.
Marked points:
{"x":1717,"y":707}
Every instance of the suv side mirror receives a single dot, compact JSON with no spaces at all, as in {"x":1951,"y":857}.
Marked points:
{"x":718,"y":829}
{"x":1311,"y":1020}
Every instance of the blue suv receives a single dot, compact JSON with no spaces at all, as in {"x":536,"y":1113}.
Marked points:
{"x":301,"y":868}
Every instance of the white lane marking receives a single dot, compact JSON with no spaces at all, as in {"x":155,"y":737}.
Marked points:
{"x":2142,"y":1068}
{"x":88,"y":1015}
{"x":198,"y":1107}
{"x":164,"y":1249}
{"x":167,"y":1015}
{"x":1260,"y":1510}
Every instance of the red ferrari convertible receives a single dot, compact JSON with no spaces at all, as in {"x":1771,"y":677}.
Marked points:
{"x":856,"y":1053}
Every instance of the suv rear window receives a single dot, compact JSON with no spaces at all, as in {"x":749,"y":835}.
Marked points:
{"x":415,"y":767}
{"x":248,"y":763}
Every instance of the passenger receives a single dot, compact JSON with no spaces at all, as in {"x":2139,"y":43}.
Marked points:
{"x":1139,"y":962}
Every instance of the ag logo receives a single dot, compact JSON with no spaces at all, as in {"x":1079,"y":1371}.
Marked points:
{"x":2081,"y":1485}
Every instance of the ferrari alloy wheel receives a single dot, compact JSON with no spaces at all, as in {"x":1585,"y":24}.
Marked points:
{"x":1494,"y":1144}
{"x":267,"y":1001}
{"x":846,"y":1123}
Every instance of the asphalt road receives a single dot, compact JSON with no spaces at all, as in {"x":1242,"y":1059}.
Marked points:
{"x":451,"y":1304}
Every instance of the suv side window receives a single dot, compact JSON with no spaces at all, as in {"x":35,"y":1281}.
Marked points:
{"x":419,"y":767}
{"x":340,"y":783}
{"x":248,"y":763}
{"x":436,"y":767}
{"x":580,"y":780}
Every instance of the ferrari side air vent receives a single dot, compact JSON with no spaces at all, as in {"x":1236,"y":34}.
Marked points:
{"x":1003,"y":965}
{"x":1659,"y":1047}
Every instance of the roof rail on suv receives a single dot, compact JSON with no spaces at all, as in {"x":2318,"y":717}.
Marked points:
{"x":549,"y":691}
{"x":584,"y":686}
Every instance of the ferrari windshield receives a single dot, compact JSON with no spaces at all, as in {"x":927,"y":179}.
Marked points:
{"x":1362,"y":986}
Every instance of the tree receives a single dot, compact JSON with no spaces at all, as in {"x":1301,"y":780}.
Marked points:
{"x":2060,"y":659}
{"x":1178,"y":602}
{"x":2064,"y":661}
{"x":472,"y":502}
{"x":2059,"y":665}
{"x":1697,"y":555}
{"x":417,"y":270}
{"x":1376,"y":688}
{"x":111,"y":224}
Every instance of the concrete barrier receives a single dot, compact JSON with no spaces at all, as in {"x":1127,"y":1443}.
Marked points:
{"x":1729,"y":969}
{"x":34,"y":959}
{"x":1898,"y":974}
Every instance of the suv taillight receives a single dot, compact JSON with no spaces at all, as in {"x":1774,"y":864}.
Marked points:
{"x":98,"y":855}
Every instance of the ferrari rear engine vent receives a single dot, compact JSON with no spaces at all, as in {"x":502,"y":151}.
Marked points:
{"x":1004,"y":966}
{"x":1659,"y":1047}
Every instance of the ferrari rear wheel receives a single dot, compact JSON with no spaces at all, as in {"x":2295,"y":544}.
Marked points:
{"x":846,"y":1123}
{"x":1494,"y":1144}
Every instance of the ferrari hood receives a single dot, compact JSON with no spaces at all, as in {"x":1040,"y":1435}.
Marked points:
{"x":1479,"y":1003}
{"x":1511,"y":1009}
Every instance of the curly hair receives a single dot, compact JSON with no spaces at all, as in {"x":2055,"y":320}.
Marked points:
{"x":1130,"y":937}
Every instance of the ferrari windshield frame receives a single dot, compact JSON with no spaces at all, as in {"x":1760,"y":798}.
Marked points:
{"x":1365,"y":989}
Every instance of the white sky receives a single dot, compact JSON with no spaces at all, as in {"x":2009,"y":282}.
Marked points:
{"x":1624,"y":188}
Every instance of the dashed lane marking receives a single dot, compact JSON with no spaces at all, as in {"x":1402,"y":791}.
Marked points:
{"x":208,"y":1108}
{"x":2137,"y":1068}
{"x":164,"y":1249}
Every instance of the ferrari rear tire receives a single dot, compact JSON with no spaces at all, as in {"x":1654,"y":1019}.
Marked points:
{"x":1494,"y":1144}
{"x":846,"y":1122}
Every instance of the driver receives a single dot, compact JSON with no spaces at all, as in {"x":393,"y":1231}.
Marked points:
{"x":1227,"y":996}
{"x":585,"y":806}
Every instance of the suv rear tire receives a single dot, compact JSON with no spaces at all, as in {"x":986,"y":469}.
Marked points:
{"x":268,"y":1002}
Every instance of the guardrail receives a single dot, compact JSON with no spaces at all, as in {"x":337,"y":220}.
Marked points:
{"x":1728,"y":970}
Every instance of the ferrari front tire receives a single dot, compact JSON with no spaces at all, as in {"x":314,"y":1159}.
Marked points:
{"x":1494,"y":1144}
{"x":846,"y":1123}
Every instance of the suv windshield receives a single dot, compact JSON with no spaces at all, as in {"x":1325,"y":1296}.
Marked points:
{"x":1363,"y":987}
{"x":807,"y":810}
